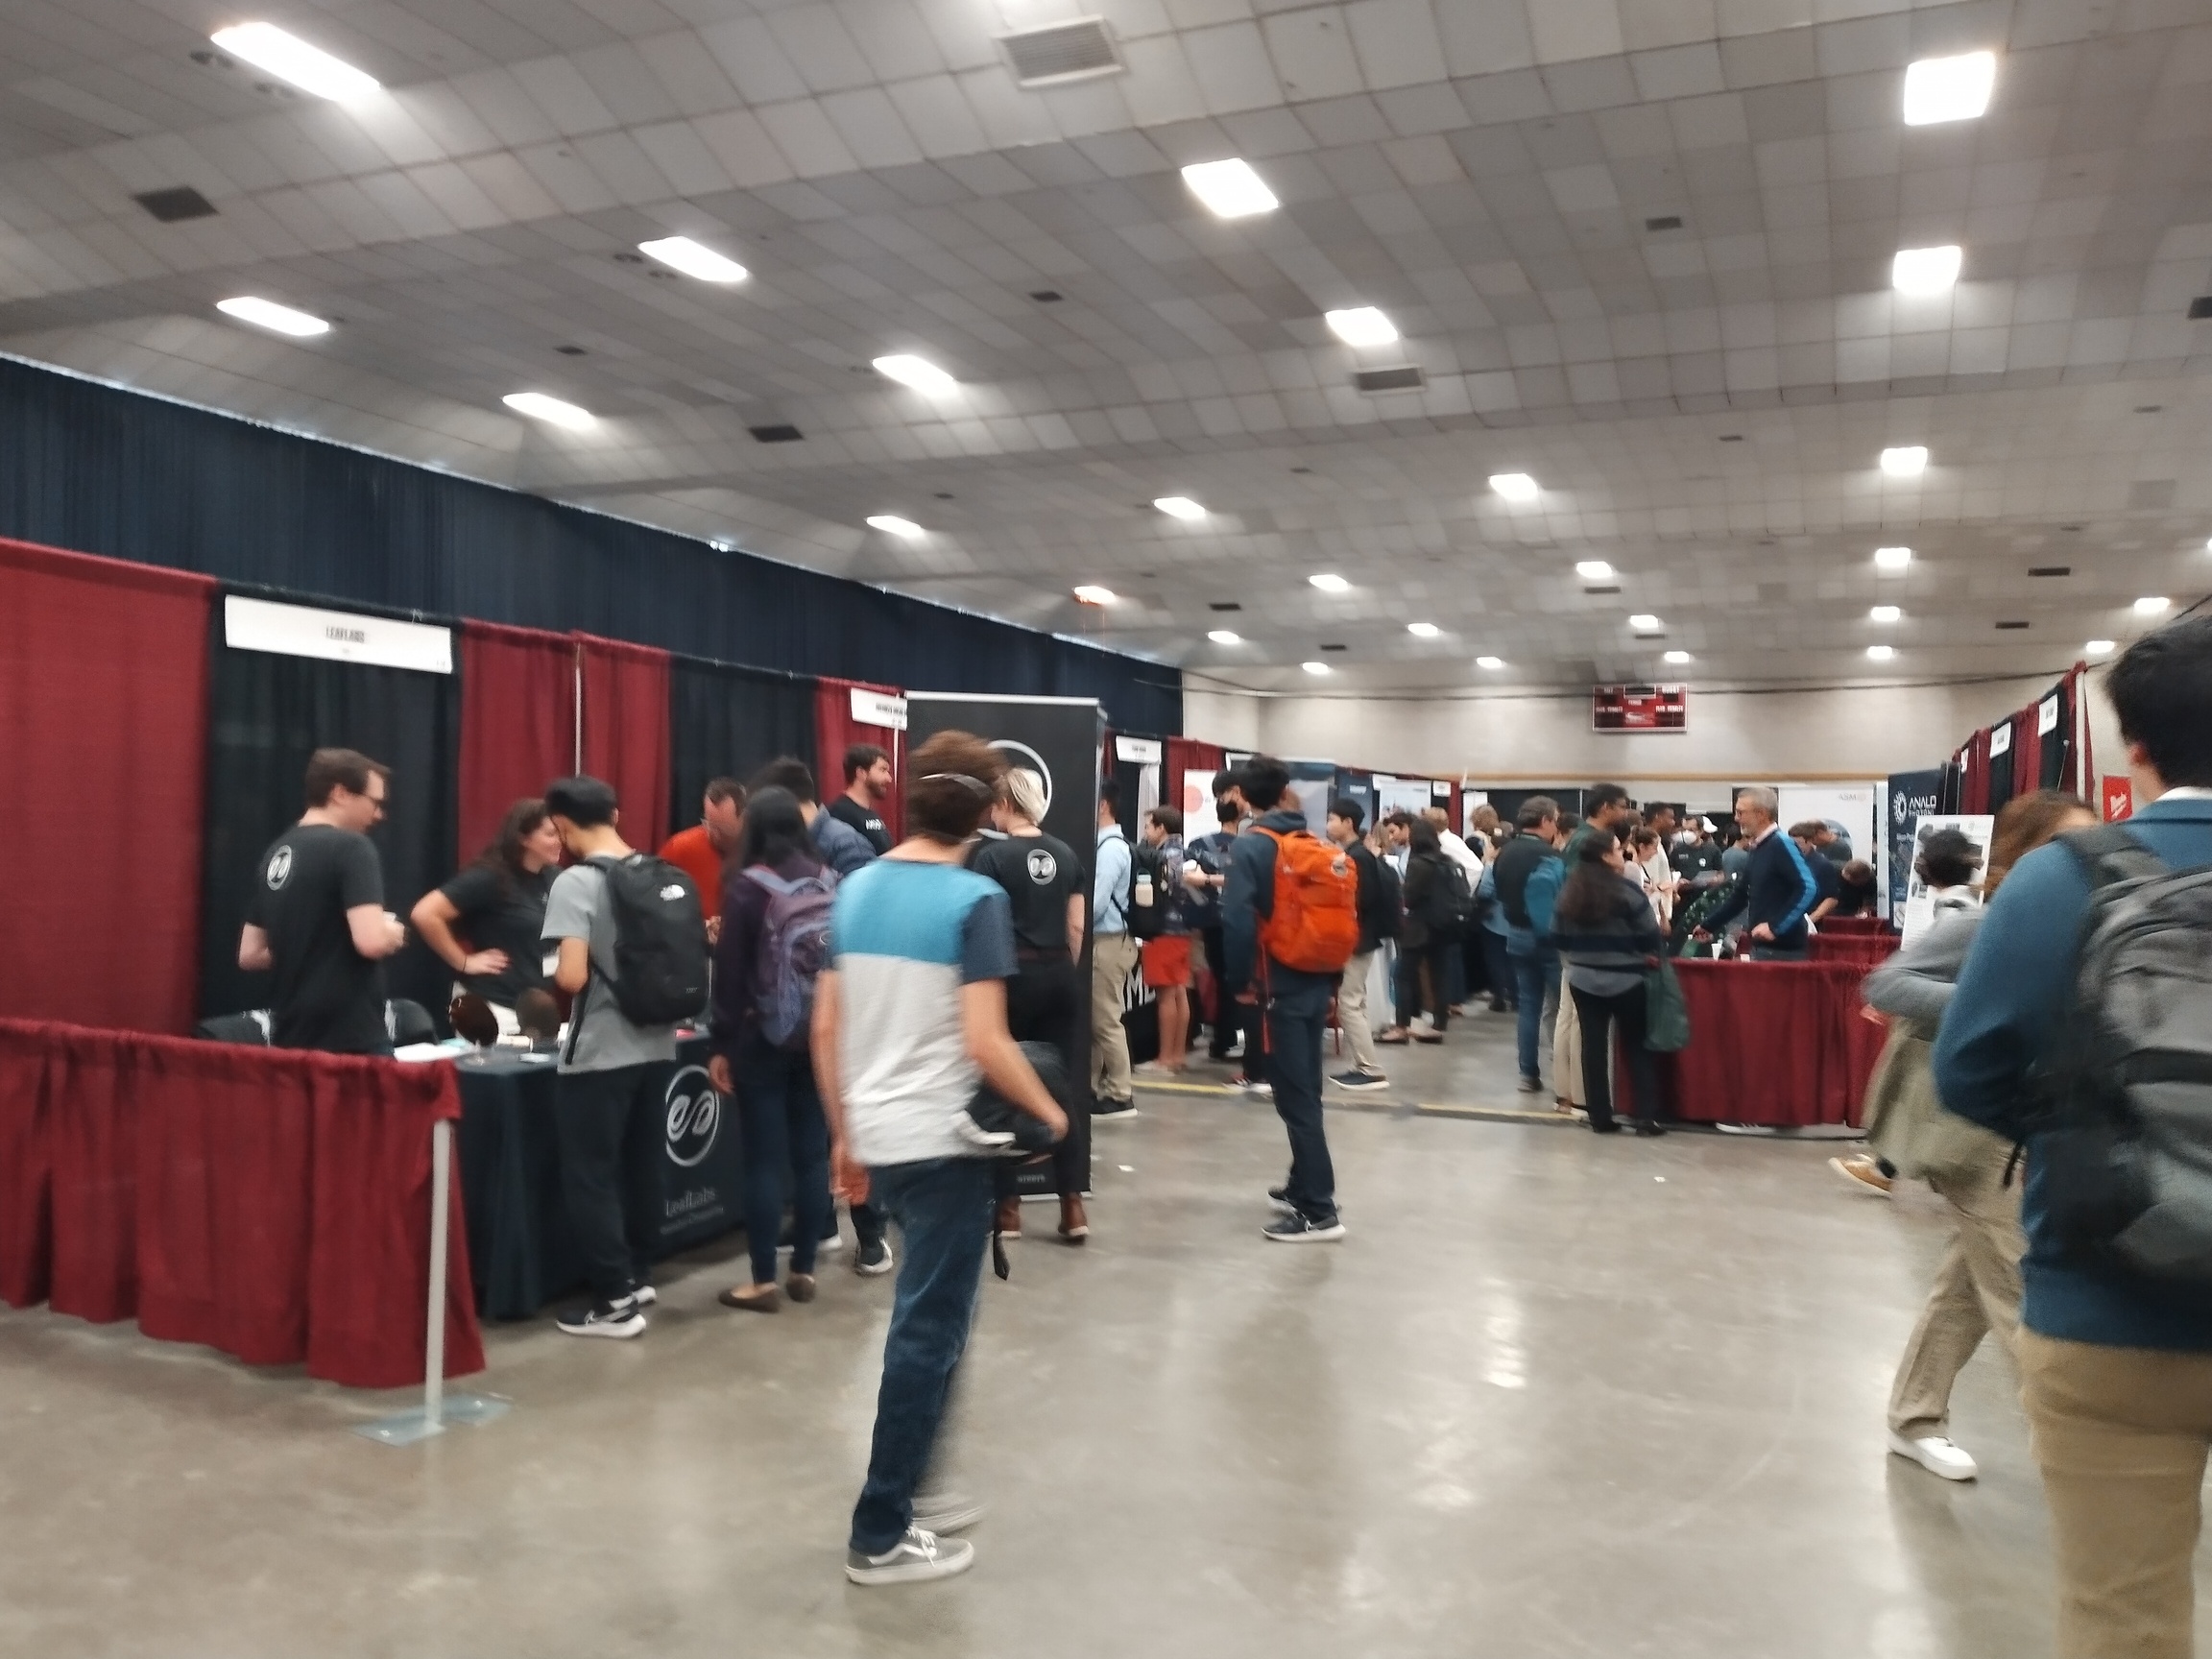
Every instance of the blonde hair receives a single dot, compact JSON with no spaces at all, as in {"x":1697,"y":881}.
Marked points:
{"x":1026,"y":794}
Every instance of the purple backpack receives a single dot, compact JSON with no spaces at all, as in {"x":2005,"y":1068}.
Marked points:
{"x":793,"y":950}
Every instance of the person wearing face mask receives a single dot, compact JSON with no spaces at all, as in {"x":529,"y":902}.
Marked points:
{"x":485,"y":923}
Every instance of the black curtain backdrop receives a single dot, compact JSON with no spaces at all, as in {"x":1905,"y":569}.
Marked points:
{"x":2058,"y":743}
{"x":2000,"y":769}
{"x":99,"y":469}
{"x":266,"y":715}
{"x":725,"y":720}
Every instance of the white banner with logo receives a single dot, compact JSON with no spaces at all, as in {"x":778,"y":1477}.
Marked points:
{"x":335,"y":635}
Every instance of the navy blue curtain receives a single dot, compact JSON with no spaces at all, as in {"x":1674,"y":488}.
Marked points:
{"x":726,"y":721}
{"x":103,"y":471}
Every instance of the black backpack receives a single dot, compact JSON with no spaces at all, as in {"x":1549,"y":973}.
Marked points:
{"x":2124,"y":1144}
{"x":1449,"y":905}
{"x":1148,"y":873}
{"x":1390,"y":903}
{"x":659,"y":939}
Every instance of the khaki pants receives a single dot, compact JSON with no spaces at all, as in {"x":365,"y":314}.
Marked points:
{"x":1977,"y":1290}
{"x":1113,"y":958}
{"x":1351,"y":1013}
{"x":1567,"y":1050}
{"x":2120,"y":1434}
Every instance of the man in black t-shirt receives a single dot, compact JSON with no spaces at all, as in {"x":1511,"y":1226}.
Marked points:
{"x":317,"y":920}
{"x":868,"y":784}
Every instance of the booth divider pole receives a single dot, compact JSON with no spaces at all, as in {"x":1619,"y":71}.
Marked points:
{"x":434,"y":1337}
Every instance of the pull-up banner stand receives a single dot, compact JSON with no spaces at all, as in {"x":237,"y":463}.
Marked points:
{"x":1062,"y":740}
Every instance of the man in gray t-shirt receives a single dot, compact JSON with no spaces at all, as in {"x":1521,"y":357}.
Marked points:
{"x":608,"y":1100}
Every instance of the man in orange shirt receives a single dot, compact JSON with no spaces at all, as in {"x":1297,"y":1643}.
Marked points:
{"x":699,"y":851}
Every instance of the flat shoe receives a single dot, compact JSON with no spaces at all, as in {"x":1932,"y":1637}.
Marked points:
{"x":767,"y":1302}
{"x":800,"y":1286}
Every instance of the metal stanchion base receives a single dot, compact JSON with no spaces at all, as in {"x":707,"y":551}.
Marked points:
{"x":409,"y":1427}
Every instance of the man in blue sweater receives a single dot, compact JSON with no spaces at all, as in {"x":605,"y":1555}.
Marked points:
{"x":1776,"y":891}
{"x":1296,"y":1009}
{"x":2115,"y":1368}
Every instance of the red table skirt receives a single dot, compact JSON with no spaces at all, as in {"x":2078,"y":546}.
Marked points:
{"x":1854,"y":924}
{"x":1867,"y":949}
{"x":1772,"y":1044}
{"x":271,"y":1203}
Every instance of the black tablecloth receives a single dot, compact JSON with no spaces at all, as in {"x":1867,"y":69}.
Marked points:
{"x":519,"y":1248}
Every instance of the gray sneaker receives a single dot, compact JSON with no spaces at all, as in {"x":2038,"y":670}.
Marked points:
{"x":947,"y":1511}
{"x":915,"y":1557}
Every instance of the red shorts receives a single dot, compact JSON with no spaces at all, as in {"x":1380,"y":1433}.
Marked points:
{"x":1167,"y":960}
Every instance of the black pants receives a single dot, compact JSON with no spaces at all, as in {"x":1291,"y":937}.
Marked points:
{"x":1503,"y":988}
{"x":1297,"y":1012}
{"x":1043,"y":1005}
{"x":1229,"y":1013}
{"x":1433,"y":964}
{"x":1598,"y":1015}
{"x":613,"y":1131}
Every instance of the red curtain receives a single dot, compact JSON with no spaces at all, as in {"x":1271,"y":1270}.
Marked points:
{"x":1974,"y":781}
{"x":104,"y":729}
{"x":271,"y":1203}
{"x":1771,"y":1042}
{"x":518,"y":722}
{"x":626,"y":731}
{"x":835,"y":731}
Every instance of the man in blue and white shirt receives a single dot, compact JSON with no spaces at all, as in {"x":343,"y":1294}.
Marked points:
{"x":1113,"y":958}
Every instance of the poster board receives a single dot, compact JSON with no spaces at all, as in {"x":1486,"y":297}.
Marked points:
{"x":1401,"y":794}
{"x":1920,"y":901}
{"x":1911,"y":796}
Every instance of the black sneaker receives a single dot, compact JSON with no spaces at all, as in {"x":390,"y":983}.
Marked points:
{"x":645,"y":1295}
{"x":1531,"y":1085}
{"x":619,"y":1320}
{"x":1360,"y":1080}
{"x":1280,"y":1197}
{"x":1115,"y":1112}
{"x":1297,"y":1229}
{"x":915,"y":1557}
{"x":873,"y":1257}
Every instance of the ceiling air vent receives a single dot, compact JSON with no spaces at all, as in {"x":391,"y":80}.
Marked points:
{"x":776,"y":434}
{"x":1602,"y":589}
{"x":1062,"y":52}
{"x":1223,"y":605}
{"x":2050,"y":569}
{"x":1373,"y":381}
{"x":1664,"y":222}
{"x":171,"y":205}
{"x":2011,"y":627}
{"x":2200,"y":307}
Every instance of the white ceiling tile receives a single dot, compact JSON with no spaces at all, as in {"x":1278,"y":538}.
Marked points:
{"x":1233,"y":68}
{"x":1566,"y":29}
{"x":821,"y":48}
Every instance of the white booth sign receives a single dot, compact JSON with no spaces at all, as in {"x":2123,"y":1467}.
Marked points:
{"x":335,"y":635}
{"x":874,"y":708}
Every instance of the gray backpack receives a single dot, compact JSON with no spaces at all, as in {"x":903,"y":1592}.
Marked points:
{"x":2124,"y":1158}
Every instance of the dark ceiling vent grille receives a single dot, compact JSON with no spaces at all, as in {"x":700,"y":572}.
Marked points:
{"x":1664,"y":222}
{"x":171,"y":205}
{"x":1223,"y":605}
{"x":1063,"y":51}
{"x":2050,"y":569}
{"x":1334,"y":647}
{"x":2200,"y":309}
{"x":776,"y":434}
{"x":2011,"y":627}
{"x":1613,"y":589}
{"x":1374,"y":380}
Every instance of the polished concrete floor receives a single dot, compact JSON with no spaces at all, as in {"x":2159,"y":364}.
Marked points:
{"x":1554,"y":1395}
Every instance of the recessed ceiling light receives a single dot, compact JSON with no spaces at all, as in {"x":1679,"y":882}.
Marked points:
{"x":2151,"y":607}
{"x":1949,"y":88}
{"x":2099,"y":647}
{"x":1090,"y":594}
{"x":1180,"y":507}
{"x":1908,"y":462}
{"x":1514,"y":486}
{"x":694,"y":261}
{"x":268,"y":314}
{"x":1361,"y":326}
{"x":539,"y":407}
{"x":1644,"y":620}
{"x":1328,"y":582}
{"x":1489,"y":662}
{"x":1315,"y":667}
{"x":1423,"y":630}
{"x":1676,"y":657}
{"x":895,"y":524}
{"x":1881,"y":652}
{"x":1223,"y":636}
{"x":1594,"y":570}
{"x":1892,"y":558}
{"x":1230,"y":189}
{"x":1925,"y":269}
{"x":918,"y":373}
{"x":291,"y":58}
{"x":1884,"y":613}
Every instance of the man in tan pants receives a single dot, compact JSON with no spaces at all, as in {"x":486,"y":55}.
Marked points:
{"x":1977,"y":1292}
{"x":1113,"y":958}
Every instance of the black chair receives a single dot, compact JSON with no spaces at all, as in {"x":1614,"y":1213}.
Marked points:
{"x":250,"y":1029}
{"x":408,"y":1022}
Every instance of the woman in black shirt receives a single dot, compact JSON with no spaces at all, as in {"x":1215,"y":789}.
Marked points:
{"x":1044,"y":888}
{"x":498,"y":905}
{"x":1427,"y":881}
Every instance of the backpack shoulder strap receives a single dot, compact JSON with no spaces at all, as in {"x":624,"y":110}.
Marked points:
{"x":2110,"y":855}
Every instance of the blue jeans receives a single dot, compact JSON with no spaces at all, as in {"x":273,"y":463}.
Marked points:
{"x":943,"y":1207}
{"x":1776,"y":954}
{"x":786,"y":1145}
{"x":1531,"y":974}
{"x":1297,"y":1016}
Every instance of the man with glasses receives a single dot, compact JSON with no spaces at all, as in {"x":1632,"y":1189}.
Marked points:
{"x":317,"y":921}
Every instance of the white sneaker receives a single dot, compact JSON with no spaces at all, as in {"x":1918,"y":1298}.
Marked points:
{"x":917,"y":1556}
{"x":1937,"y":1454}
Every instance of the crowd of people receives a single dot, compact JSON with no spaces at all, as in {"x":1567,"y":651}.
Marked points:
{"x":867,"y":996}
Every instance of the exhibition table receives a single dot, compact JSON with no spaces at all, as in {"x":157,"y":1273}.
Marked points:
{"x":1867,"y":949}
{"x":518,"y":1237}
{"x":271,"y":1203}
{"x":1773,"y":1043}
{"x":1855,"y":925}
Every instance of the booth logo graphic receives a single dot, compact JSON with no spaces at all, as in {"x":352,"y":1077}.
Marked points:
{"x":280,"y":868}
{"x":695,"y":1117}
{"x":1022,"y":755}
{"x":1043,"y":867}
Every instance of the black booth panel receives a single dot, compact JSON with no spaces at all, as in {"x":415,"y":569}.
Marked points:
{"x":726,"y":721}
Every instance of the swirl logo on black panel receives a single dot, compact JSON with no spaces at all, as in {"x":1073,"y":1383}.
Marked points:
{"x":695,"y":1117}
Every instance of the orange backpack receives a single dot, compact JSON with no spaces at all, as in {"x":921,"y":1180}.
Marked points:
{"x":1315,"y":927}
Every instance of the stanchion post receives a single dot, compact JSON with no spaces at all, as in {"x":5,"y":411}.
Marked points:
{"x":440,"y":1225}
